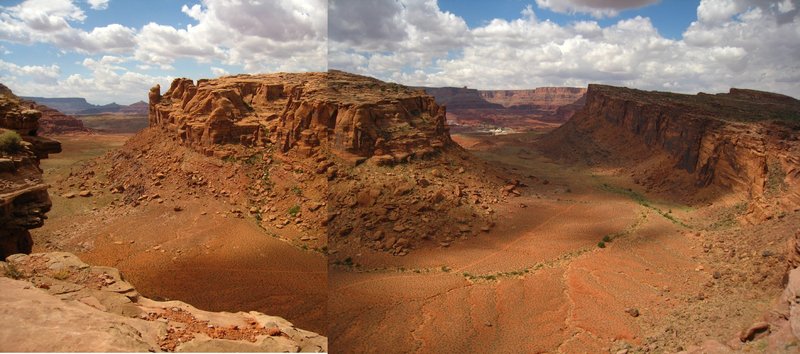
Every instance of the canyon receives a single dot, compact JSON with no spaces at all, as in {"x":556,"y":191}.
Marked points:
{"x":380,"y":217}
{"x":543,"y":107}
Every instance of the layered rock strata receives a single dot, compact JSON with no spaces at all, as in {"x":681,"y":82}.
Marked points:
{"x":23,"y":195}
{"x":744,"y":141}
{"x":542,"y":98}
{"x":335,"y":111}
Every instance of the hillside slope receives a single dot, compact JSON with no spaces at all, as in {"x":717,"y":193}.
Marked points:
{"x":744,"y":141}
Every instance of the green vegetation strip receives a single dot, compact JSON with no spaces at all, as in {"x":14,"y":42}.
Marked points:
{"x":643,"y":202}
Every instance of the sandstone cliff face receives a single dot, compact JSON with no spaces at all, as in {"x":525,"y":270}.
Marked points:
{"x":745,"y":141}
{"x":55,"y":302}
{"x":334,"y":111}
{"x":23,"y":194}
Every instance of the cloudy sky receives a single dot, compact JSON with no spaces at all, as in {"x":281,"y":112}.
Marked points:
{"x":114,"y":50}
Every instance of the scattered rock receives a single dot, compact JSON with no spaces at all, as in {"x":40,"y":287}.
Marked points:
{"x":632,"y":311}
{"x":756,"y":331}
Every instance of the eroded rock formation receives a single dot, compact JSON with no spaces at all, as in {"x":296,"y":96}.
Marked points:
{"x":745,"y":141}
{"x":55,"y":302}
{"x":342,"y":112}
{"x":332,"y":139}
{"x":23,"y":195}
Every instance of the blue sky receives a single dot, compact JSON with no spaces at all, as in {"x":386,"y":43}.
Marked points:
{"x":114,"y":50}
{"x":670,"y":17}
{"x":680,"y":46}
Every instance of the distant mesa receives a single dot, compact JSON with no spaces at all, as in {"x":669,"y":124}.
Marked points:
{"x":517,"y":109}
{"x":79,"y":106}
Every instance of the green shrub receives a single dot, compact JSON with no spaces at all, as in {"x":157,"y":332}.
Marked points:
{"x":297,"y":191}
{"x":10,"y":141}
{"x":601,"y":244}
{"x":294,"y":210}
{"x":606,"y":238}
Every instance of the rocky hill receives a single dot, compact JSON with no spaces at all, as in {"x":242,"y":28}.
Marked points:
{"x":53,"y":302}
{"x":23,"y":194}
{"x":377,"y":155}
{"x":743,"y":141}
{"x":518,"y":109}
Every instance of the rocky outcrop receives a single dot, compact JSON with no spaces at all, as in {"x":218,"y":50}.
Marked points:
{"x":53,"y":302}
{"x":335,"y":111}
{"x":54,"y":122}
{"x":745,"y":141}
{"x":23,"y":195}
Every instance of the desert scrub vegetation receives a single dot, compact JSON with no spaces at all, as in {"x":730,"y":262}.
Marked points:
{"x":10,"y":141}
{"x":294,"y":210}
{"x":727,"y":217}
{"x":775,"y":183}
{"x":641,"y":200}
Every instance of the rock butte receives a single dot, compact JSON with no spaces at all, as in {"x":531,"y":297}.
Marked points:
{"x":351,"y":115}
{"x":334,"y":122}
{"x":23,"y":194}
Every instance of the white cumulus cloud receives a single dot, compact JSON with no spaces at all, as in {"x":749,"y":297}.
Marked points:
{"x":106,"y":82}
{"x":98,"y":4}
{"x":735,"y":43}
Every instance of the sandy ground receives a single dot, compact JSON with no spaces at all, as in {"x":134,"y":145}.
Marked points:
{"x":201,"y":255}
{"x":539,"y":282}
